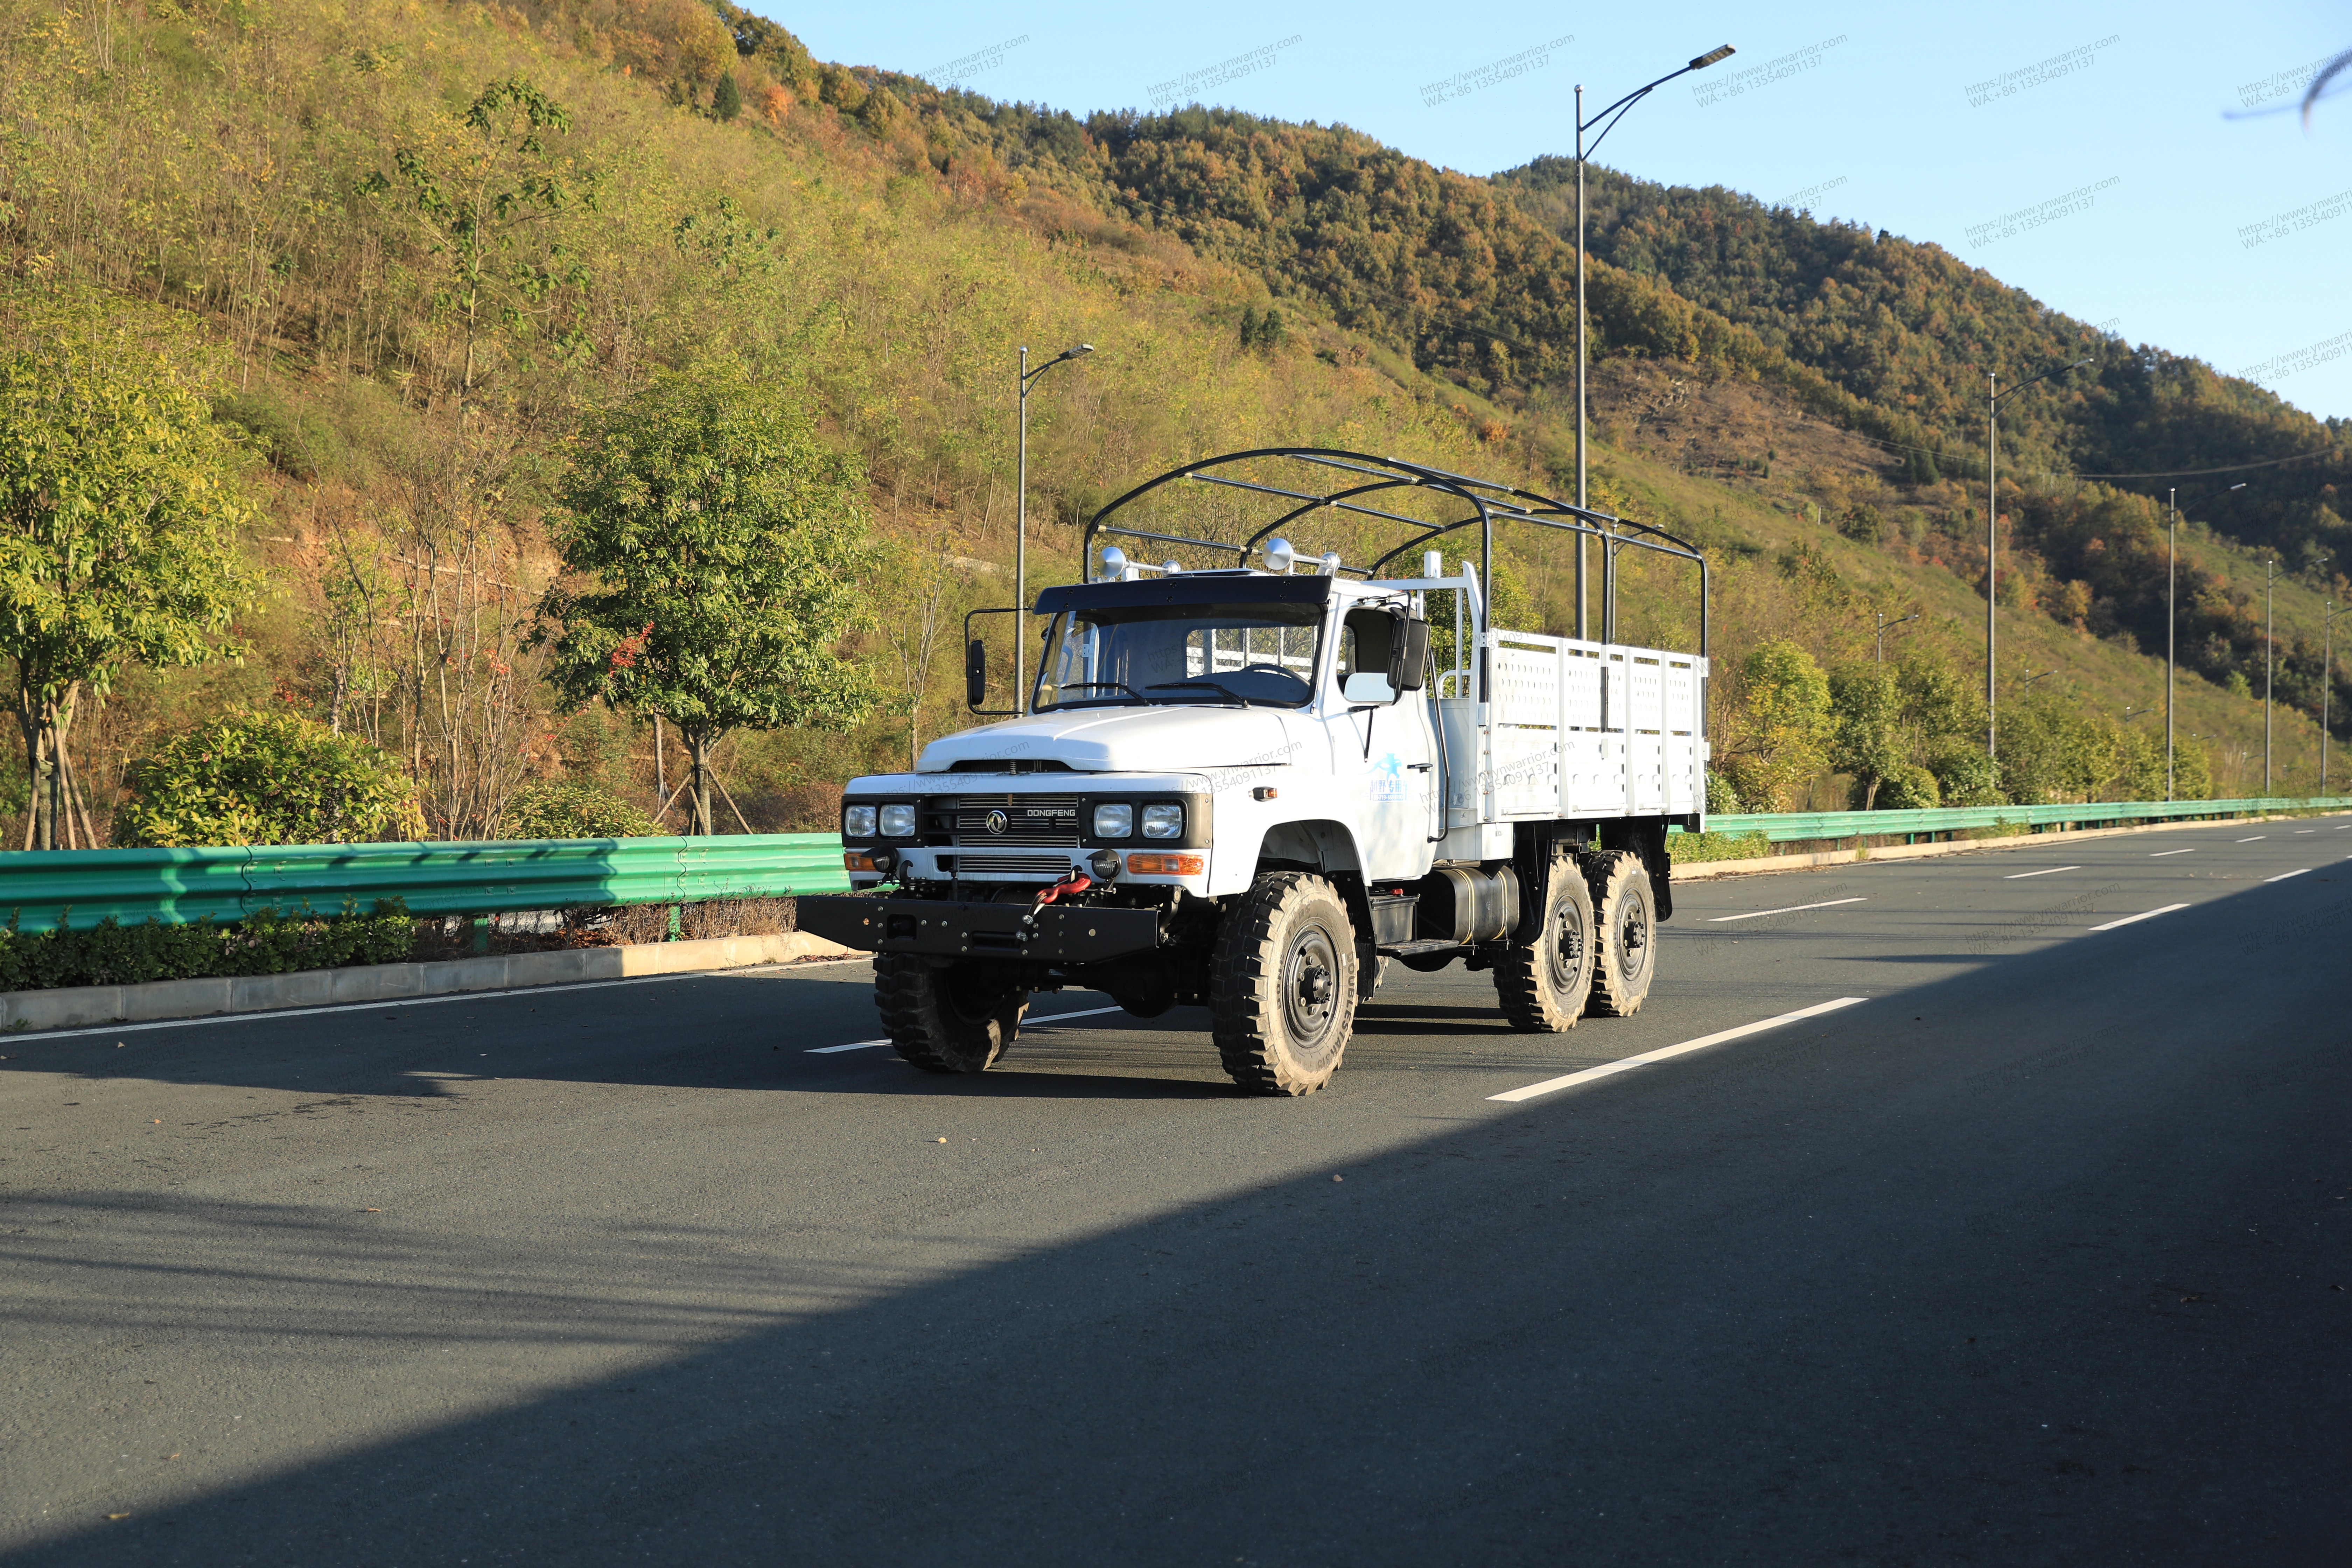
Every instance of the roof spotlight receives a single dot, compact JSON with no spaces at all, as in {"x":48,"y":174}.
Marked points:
{"x":1279,"y":557}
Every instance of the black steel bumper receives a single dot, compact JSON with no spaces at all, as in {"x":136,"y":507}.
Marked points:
{"x":1059,"y":934}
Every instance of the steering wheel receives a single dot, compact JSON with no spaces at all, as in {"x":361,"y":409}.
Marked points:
{"x":1290,"y":675}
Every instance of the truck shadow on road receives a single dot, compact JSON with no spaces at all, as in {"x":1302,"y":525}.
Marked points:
{"x":1811,"y":1295}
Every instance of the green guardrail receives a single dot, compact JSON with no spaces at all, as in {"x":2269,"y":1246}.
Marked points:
{"x":84,"y":886}
{"x":186,"y":884}
{"x":1792,"y":827}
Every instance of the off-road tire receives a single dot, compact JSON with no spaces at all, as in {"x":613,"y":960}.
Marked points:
{"x":945,"y":1020}
{"x":1543,"y":987}
{"x":1625,"y":934}
{"x":1282,"y":988}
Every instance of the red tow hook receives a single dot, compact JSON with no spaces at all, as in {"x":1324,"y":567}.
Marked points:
{"x":1076,"y":882}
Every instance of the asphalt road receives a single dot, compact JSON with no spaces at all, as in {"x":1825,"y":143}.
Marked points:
{"x":2038,"y":1254}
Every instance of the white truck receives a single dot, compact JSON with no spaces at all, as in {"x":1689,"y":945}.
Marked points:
{"x":1245,"y":787}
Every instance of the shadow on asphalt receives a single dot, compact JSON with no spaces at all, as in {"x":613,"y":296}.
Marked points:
{"x":1867,"y":1288}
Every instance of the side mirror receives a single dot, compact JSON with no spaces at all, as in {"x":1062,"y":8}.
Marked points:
{"x":975,"y":673}
{"x":1409,"y":671}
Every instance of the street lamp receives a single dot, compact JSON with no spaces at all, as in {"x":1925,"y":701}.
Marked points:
{"x":1993,"y":399}
{"x":1020,"y":525}
{"x":2027,"y":684}
{"x":2269,"y":575}
{"x":2171,"y":617}
{"x":1619,"y":110}
{"x":1884,"y":625}
{"x":2326,"y":682}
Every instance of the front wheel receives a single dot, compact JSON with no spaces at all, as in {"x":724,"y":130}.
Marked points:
{"x":1625,"y":956}
{"x":1542,"y":987}
{"x":1282,"y":995}
{"x":956,"y":1019}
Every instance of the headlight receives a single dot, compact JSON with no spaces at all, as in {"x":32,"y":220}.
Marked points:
{"x":1114,"y":820}
{"x":1164,"y":822}
{"x":857,"y":822}
{"x":898,"y":821}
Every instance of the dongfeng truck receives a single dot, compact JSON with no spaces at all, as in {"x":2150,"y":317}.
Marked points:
{"x":1245,"y":778}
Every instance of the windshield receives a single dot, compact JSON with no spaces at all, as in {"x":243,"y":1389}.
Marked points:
{"x":1261,"y":654}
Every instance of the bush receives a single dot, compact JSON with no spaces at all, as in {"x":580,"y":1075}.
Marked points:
{"x":573,"y":811}
{"x":265,"y":942}
{"x":1965,"y":776}
{"x":1908,"y":787}
{"x":266,"y":778}
{"x":1722,"y":800}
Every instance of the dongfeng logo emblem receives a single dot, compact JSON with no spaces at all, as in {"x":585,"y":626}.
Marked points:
{"x":998,"y":822}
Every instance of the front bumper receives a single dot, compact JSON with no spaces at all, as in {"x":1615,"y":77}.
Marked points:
{"x":1074,"y":933}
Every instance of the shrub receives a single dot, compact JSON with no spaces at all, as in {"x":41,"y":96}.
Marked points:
{"x":266,"y":778}
{"x":265,"y":942}
{"x":1908,"y":787}
{"x":1966,"y":776}
{"x":573,"y":811}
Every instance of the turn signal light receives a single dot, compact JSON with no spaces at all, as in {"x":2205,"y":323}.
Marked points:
{"x":1166,"y":865}
{"x":857,"y":861}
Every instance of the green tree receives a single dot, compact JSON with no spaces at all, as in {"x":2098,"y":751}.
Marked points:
{"x":725,"y":98}
{"x":722,"y":544}
{"x":266,"y":778}
{"x":1780,"y":727}
{"x":119,"y":506}
{"x":1865,"y":731}
{"x":490,"y":193}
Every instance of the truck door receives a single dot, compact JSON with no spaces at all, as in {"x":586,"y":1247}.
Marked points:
{"x":1382,"y":749}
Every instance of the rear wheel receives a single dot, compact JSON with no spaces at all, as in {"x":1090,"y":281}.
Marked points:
{"x":956,"y":1019}
{"x":1543,"y":986}
{"x":1282,"y":995}
{"x":1625,"y":927}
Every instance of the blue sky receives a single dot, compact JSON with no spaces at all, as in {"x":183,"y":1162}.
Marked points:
{"x":2101,"y":173}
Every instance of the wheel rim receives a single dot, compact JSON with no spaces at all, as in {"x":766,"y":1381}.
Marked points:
{"x":972,"y":999}
{"x":1566,"y":946}
{"x":1311,"y":987}
{"x":1633,"y":936}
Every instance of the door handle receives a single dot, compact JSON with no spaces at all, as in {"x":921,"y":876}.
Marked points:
{"x":1420,"y":767}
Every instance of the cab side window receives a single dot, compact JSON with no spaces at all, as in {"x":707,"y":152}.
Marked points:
{"x":1366,"y":639}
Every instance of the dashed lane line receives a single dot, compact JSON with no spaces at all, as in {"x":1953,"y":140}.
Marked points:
{"x":2045,"y":871}
{"x":1627,"y":1064}
{"x":2257,"y":838}
{"x":2162,"y":853}
{"x":2282,"y":876}
{"x":1792,"y":909}
{"x":2143,"y":915}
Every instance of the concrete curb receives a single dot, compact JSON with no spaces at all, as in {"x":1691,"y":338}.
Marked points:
{"x":1706,"y":870}
{"x":68,"y":1008}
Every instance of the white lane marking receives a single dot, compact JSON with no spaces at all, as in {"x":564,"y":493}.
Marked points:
{"x":398,"y":1001}
{"x":2301,"y":831}
{"x":1646,"y":1058}
{"x":2257,"y":838}
{"x":2282,"y":876}
{"x":2047,"y":871}
{"x":1026,"y":1024}
{"x":1792,"y":909}
{"x":2162,"y":853}
{"x":2144,"y":915}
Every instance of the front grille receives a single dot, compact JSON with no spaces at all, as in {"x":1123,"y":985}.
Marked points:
{"x":1029,"y":819}
{"x":1051,"y":868}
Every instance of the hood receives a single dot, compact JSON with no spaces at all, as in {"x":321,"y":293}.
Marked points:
{"x":1124,"y":739}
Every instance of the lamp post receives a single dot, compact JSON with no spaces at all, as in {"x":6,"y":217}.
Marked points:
{"x":2171,"y":614}
{"x":2326,"y":682}
{"x":1619,"y":110}
{"x":2269,"y":575}
{"x":1993,"y":398}
{"x":1021,"y":526}
{"x":1884,"y":625}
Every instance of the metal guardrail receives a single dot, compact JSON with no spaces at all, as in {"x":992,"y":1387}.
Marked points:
{"x":84,"y":886}
{"x":1793,"y":826}
{"x":186,"y":884}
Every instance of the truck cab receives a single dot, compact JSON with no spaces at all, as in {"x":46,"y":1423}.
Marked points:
{"x":1248,"y":787}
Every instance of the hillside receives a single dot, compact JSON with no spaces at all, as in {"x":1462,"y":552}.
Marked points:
{"x":882,"y":249}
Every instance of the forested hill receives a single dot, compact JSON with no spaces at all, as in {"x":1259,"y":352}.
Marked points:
{"x":1914,"y":329}
{"x":1472,"y":277}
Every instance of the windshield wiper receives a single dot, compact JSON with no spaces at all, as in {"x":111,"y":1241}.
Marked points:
{"x":1239,"y":700}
